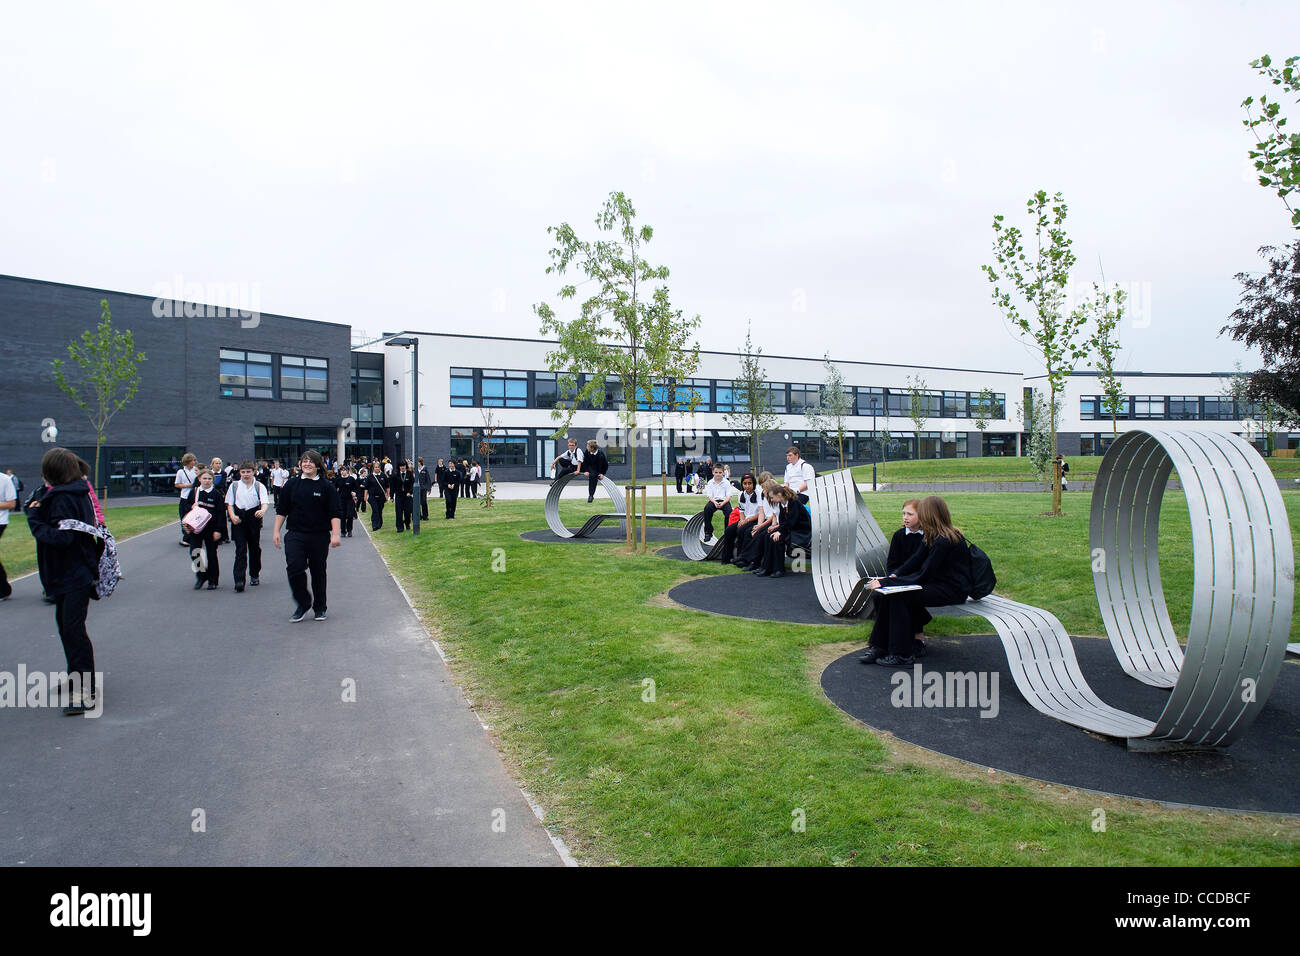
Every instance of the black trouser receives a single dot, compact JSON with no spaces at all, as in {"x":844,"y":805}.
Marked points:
{"x":361,"y":505}
{"x":730,"y":537}
{"x":441,"y":484}
{"x":248,"y":544}
{"x":424,"y":503}
{"x":184,"y":509}
{"x":376,"y":514}
{"x":899,"y":616}
{"x":755,"y":549}
{"x":402,"y":511}
{"x":304,"y":550}
{"x":204,"y":540}
{"x":679,"y":484}
{"x":709,"y":509}
{"x":473,"y":488}
{"x":464,"y":488}
{"x":451,"y":500}
{"x":70,"y":611}
{"x":592,"y":482}
{"x":5,"y":588}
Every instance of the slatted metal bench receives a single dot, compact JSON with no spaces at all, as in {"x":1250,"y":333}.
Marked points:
{"x":1243,"y":590}
{"x":617,"y":513}
{"x":697,"y":549}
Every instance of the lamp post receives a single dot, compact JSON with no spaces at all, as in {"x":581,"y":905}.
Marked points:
{"x":874,"y":441}
{"x":412,"y":342}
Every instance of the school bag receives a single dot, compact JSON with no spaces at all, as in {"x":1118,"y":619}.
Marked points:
{"x":982,"y":578}
{"x":110,"y":569}
{"x":197,"y":519}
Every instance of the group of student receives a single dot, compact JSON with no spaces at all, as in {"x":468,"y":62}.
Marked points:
{"x":696,"y":475}
{"x":770,"y":520}
{"x":593,"y":463}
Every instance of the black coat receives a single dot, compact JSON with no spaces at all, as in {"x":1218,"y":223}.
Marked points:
{"x":401,"y":484}
{"x":795,"y":524}
{"x":942,"y":567}
{"x":67,"y":560}
{"x":374,"y":490}
{"x":680,"y":470}
{"x":901,"y":549}
{"x":595,"y":463}
{"x":213,"y":502}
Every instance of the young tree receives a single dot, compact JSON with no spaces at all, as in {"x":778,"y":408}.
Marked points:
{"x":1268,"y":318}
{"x":916,"y":405}
{"x":1040,"y":283}
{"x":985,"y":408}
{"x":625,"y":329}
{"x":835,"y":404}
{"x":668,"y":401}
{"x":1038,"y":417}
{"x":752,"y":402}
{"x":490,"y":426}
{"x":1108,"y":308}
{"x":106,"y":378}
{"x":1277,"y":153}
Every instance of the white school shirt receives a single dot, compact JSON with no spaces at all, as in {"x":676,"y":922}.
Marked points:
{"x":573,"y":457}
{"x":766,"y":507}
{"x":7,"y":493}
{"x":719,"y":489}
{"x":242,"y":496}
{"x":802,"y":473}
{"x":189,"y":476}
{"x":279,"y":476}
{"x":749,"y":508}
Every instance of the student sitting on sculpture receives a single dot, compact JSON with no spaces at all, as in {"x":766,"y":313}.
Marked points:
{"x":793,"y":530}
{"x":940,"y":569}
{"x":719,"y":492}
{"x":751,"y":557}
{"x":735,"y":539}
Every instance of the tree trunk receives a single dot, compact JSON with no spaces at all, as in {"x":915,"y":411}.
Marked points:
{"x":1056,"y":469}
{"x":94,"y":476}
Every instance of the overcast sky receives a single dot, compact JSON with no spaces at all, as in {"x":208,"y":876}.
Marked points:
{"x":828,"y":172}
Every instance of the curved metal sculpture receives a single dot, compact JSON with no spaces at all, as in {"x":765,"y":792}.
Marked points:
{"x":847,"y":544}
{"x":1243,"y":579}
{"x":552,"y":508}
{"x":693,"y":543}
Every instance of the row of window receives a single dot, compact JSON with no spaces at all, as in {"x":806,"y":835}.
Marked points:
{"x":1175,"y":408}
{"x":266,"y":375}
{"x":507,"y":388}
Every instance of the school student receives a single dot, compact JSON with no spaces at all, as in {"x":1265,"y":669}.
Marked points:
{"x":679,"y":473}
{"x":309,"y":516}
{"x":568,"y":461}
{"x":348,"y":487}
{"x":941,"y":569}
{"x":736,"y":536}
{"x":187,"y":477}
{"x":719,"y":492}
{"x":246,"y":503}
{"x":68,"y":562}
{"x":793,"y":530}
{"x":453,"y":487}
{"x":798,"y":473}
{"x":768,"y":518}
{"x":401,"y":484}
{"x":203,"y":544}
{"x":279,"y":475}
{"x":423,"y":474}
{"x":594,"y":465}
{"x":372,"y":487}
{"x":440,"y":476}
{"x":8,"y":502}
{"x":475,"y":474}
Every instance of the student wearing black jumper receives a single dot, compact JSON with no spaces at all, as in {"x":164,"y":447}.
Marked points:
{"x":212,"y":500}
{"x":68,"y":562}
{"x":594,"y":465}
{"x":402,"y":484}
{"x":374,"y":494}
{"x":793,"y":530}
{"x":309,"y":511}
{"x":941,"y":568}
{"x":348,"y":487}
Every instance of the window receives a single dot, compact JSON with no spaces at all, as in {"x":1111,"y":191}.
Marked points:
{"x":1089,"y":407}
{"x":462,"y":444}
{"x":810,"y":445}
{"x":732,"y":448}
{"x":304,"y":379}
{"x":723,"y":400}
{"x":804,"y":396}
{"x":955,"y":406}
{"x":245,"y":374}
{"x":701,"y":387}
{"x":614,"y":452}
{"x":777,"y":391}
{"x":462,"y":387}
{"x":509,"y":447}
{"x":865,"y":398}
{"x":1148,"y":406}
{"x":545,"y":392}
{"x":503,"y":389}
{"x":1219,"y":409}
{"x":1184,"y":408}
{"x":1095,"y":443}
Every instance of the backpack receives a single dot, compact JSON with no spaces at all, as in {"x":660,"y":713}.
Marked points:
{"x":982,"y":578}
{"x":110,"y":569}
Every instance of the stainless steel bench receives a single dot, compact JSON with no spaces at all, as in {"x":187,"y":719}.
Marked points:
{"x":618,"y":513}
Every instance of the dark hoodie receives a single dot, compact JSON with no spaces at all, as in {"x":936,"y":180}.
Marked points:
{"x":68,"y":560}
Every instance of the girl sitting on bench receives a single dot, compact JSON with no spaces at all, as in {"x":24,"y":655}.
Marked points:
{"x":793,"y":530}
{"x":735,"y":538}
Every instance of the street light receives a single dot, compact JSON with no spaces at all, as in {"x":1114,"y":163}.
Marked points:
{"x":874,"y":442}
{"x":406,"y":340}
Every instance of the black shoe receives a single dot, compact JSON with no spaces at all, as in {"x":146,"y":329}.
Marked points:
{"x":893,"y":660}
{"x":182,"y":542}
{"x":871,"y":656}
{"x":777,"y":574}
{"x":320,"y":615}
{"x":708,"y":536}
{"x":238,"y":588}
{"x":198,"y":585}
{"x":298,"y":615}
{"x":920,"y":650}
{"x":253,"y":581}
{"x":79,"y":704}
{"x":760,"y":573}
{"x":590,"y":499}
{"x":212,"y":586}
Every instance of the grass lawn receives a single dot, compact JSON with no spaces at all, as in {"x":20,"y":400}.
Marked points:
{"x":18,"y":547}
{"x":1082,"y":468}
{"x":556,"y":650}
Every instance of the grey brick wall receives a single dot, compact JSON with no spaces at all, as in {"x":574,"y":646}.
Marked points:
{"x":178,"y":400}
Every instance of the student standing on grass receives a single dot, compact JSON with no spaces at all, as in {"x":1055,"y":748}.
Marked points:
{"x":203,"y":544}
{"x":309,"y":515}
{"x":594,"y":465}
{"x":423,"y":473}
{"x":348,"y":487}
{"x":453,"y":488}
{"x":246,"y":504}
{"x":8,"y":502}
{"x":401,"y":483}
{"x":186,"y":479}
{"x":799,"y":474}
{"x":941,"y":568}
{"x":679,"y":473}
{"x":440,"y":476}
{"x":68,"y":562}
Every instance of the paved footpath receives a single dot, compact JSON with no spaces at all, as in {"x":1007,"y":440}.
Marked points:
{"x":219,"y":711}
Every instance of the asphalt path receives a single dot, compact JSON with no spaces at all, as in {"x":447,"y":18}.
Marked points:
{"x":227,"y":738}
